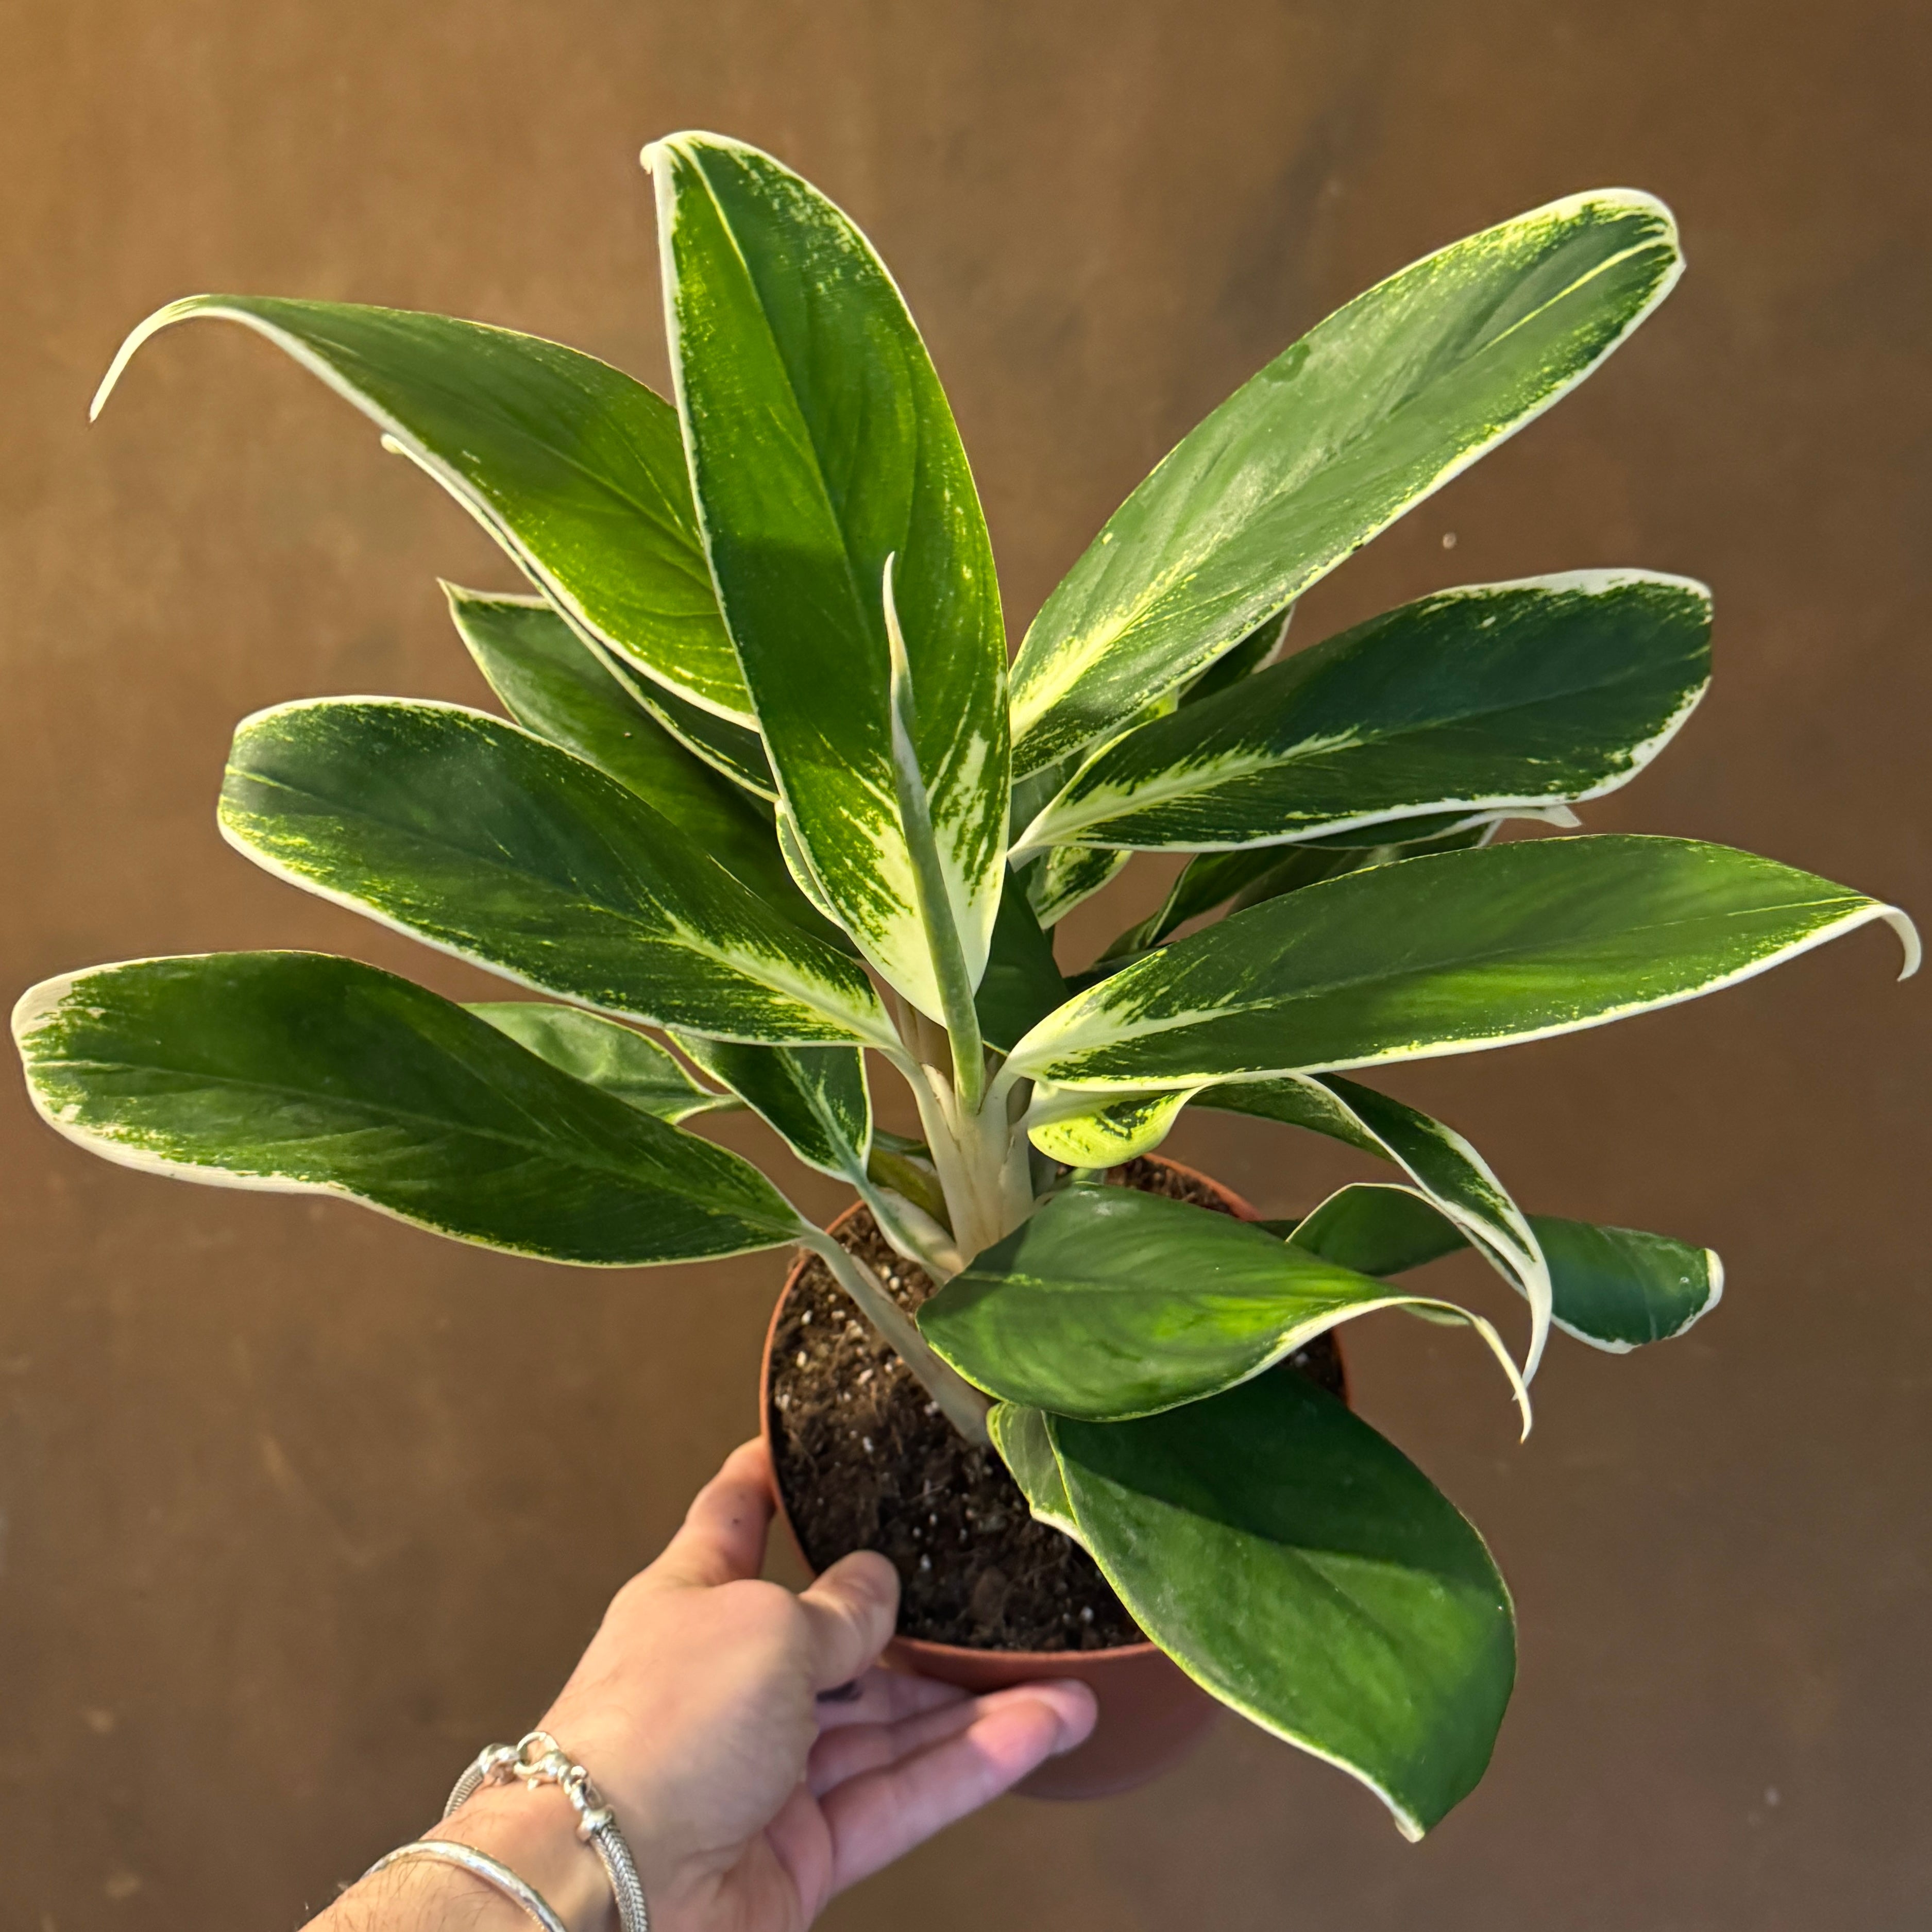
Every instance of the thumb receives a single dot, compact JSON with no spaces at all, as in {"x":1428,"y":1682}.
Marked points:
{"x":850,"y":1611}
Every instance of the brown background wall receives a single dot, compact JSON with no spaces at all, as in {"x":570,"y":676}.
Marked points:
{"x":301,"y":1506}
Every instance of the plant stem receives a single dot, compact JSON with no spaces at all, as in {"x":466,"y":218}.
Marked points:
{"x":965,"y":1407}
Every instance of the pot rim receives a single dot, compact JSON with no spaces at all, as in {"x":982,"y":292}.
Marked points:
{"x":1044,"y":1663}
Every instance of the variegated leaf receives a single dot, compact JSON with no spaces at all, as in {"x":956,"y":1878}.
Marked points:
{"x":606,"y":1055}
{"x":1255,"y":652}
{"x":577,"y":470}
{"x":815,"y":1098}
{"x":481,"y":839}
{"x":1020,"y":1435}
{"x":301,"y":1074}
{"x":1470,"y":702}
{"x":1058,"y":882}
{"x":1446,"y":954}
{"x":1065,"y":1125}
{"x":1450,"y":1174}
{"x":1110,"y":1304}
{"x":821,"y":445}
{"x":1258,"y":873}
{"x":1298,"y":1566}
{"x":552,"y":682}
{"x":1617,"y":1288}
{"x":1373,"y":409}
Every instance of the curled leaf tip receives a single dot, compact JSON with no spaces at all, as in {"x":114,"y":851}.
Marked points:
{"x":168,"y":314}
{"x":1908,"y":939}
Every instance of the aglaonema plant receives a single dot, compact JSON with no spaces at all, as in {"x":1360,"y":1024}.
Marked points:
{"x":768,"y":785}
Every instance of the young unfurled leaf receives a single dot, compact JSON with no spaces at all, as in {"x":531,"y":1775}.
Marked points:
{"x":482,"y":839}
{"x":821,"y":444}
{"x":304,"y":1074}
{"x":815,"y":1098}
{"x":1479,"y":700}
{"x":1297,"y":1565}
{"x":1446,"y":954}
{"x":553,"y":683}
{"x":1616,"y":1288}
{"x":1102,"y":1136}
{"x":1374,"y":409}
{"x":577,"y":470}
{"x":606,"y":1055}
{"x":1110,"y":1303}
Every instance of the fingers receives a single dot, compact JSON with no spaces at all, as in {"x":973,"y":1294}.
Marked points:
{"x":957,"y":1758}
{"x":723,"y":1538}
{"x":883,"y":1697}
{"x":855,"y":1748}
{"x":850,"y":1611}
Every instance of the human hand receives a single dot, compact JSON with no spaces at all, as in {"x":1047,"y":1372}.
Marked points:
{"x":748,"y":1797}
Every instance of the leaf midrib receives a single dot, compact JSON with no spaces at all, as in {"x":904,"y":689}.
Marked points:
{"x":1263,"y":763}
{"x":1328,"y":986}
{"x":1093,"y":647}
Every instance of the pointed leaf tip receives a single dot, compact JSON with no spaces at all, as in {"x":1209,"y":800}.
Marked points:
{"x":152,"y":325}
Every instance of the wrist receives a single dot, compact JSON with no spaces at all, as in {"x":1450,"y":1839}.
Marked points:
{"x":534,"y":1832}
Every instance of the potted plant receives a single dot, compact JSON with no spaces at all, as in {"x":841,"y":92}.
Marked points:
{"x":768,"y":785}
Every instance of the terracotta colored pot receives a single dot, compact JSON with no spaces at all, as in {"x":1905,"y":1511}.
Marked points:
{"x":1151,"y":1713}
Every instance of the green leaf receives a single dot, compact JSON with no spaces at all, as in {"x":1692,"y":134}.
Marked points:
{"x":484,"y":841}
{"x":1478,"y":700}
{"x":1213,"y":878}
{"x":553,"y":683}
{"x":821,"y":444}
{"x":1452,"y":1176}
{"x":735,"y":750}
{"x":1021,"y":984}
{"x":1313,"y":1104}
{"x":1067,"y":874}
{"x":1258,"y":649}
{"x":1020,"y":1435}
{"x":605,"y":1055}
{"x":1447,"y":954}
{"x":577,"y":470}
{"x":306,"y":1075}
{"x":815,"y":1098}
{"x":1257,"y":873}
{"x":1299,"y":1567}
{"x":1110,"y":1304}
{"x":1616,"y":1288}
{"x":1374,"y":1229}
{"x":1373,"y":409}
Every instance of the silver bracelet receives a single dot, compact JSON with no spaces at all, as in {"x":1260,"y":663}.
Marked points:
{"x":539,"y":1759}
{"x":479,"y":1864}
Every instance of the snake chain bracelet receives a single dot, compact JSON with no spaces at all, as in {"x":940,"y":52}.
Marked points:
{"x":537,"y":1758}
